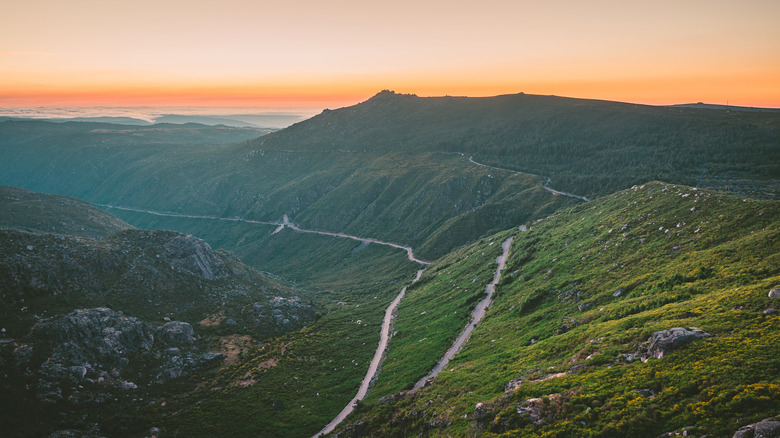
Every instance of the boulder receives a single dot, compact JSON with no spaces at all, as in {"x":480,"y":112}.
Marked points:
{"x":775,"y":293}
{"x":664,"y":341}
{"x":767,"y":428}
{"x":176,"y":334}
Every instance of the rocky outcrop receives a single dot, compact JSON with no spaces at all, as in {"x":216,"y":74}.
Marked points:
{"x":104,"y":350}
{"x":664,"y":341}
{"x":194,"y":256}
{"x":92,"y":336}
{"x":285,"y":313}
{"x":775,"y":293}
{"x":150,"y":274}
{"x":767,"y":428}
{"x":176,"y":334}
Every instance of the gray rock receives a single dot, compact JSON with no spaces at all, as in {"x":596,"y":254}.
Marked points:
{"x":664,"y":341}
{"x":775,"y":293}
{"x":92,"y":432}
{"x":194,"y":256}
{"x":767,"y":428}
{"x":98,"y":335}
{"x":207,"y":358}
{"x":176,"y":334}
{"x":618,"y":292}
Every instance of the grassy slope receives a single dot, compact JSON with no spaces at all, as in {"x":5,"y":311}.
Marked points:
{"x":32,"y":211}
{"x":301,"y":381}
{"x":329,"y":358}
{"x":558,"y":289}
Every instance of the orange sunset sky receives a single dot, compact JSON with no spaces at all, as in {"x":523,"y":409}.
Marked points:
{"x":298,"y":53}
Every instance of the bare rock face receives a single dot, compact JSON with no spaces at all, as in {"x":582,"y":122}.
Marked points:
{"x":665,"y":341}
{"x":194,"y":256}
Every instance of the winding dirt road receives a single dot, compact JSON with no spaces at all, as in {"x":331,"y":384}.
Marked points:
{"x":546,"y":185}
{"x":373,"y":369}
{"x":285,"y":222}
{"x":476,"y":316}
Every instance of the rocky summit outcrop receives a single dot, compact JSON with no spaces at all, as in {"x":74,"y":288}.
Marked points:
{"x":664,"y":341}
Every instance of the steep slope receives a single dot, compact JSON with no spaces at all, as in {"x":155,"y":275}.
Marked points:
{"x":32,"y":211}
{"x":432,"y":200}
{"x":637,"y":314}
{"x":89,"y":327}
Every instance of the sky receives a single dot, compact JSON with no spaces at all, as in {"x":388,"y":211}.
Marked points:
{"x":333,"y":53}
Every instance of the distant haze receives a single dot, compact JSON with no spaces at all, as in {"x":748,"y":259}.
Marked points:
{"x":231,"y":116}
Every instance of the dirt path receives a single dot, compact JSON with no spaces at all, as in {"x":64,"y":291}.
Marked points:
{"x":409,"y":252}
{"x":476,"y":316}
{"x":373,"y":369}
{"x":546,"y":185}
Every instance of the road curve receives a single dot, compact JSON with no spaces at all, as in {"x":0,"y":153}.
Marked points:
{"x":285,"y":222}
{"x":476,"y":316}
{"x":373,"y":369}
{"x":546,"y":185}
{"x":409,"y":251}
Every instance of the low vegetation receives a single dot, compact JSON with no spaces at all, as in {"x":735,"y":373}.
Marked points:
{"x":563,"y":350}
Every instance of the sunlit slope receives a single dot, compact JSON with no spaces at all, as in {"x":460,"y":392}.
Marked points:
{"x":563,"y":350}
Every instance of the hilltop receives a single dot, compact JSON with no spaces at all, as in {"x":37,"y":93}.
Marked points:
{"x":39,"y":212}
{"x":590,"y":147}
{"x":434,"y":173}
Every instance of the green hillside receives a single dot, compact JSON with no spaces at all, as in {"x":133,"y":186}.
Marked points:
{"x":589,"y":147}
{"x":397,"y":167}
{"x":452,"y":178}
{"x":32,"y":211}
{"x":563,"y":350}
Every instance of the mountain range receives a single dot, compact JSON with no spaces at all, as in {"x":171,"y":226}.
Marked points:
{"x":627,"y":306}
